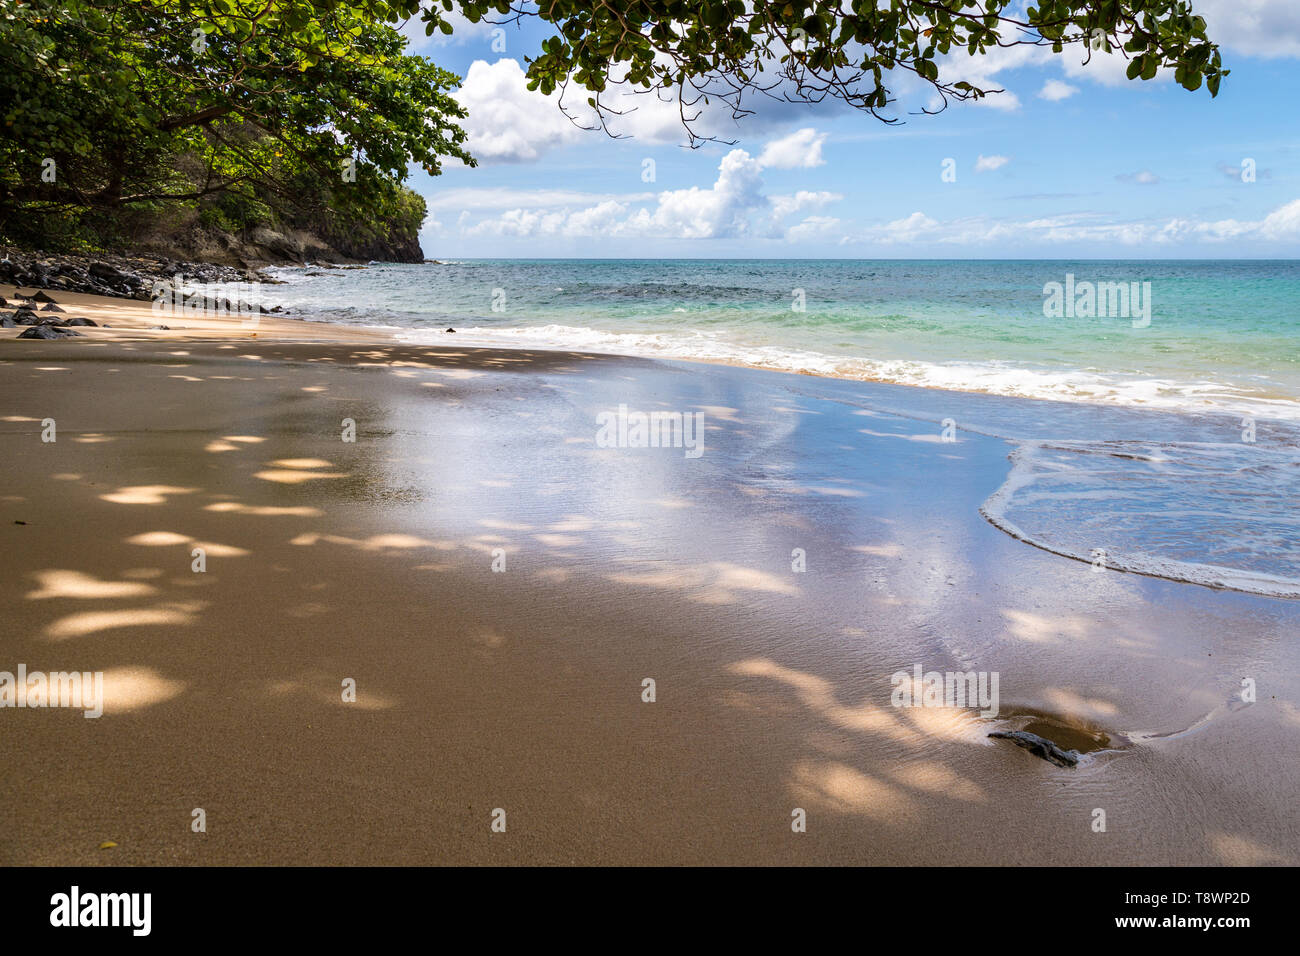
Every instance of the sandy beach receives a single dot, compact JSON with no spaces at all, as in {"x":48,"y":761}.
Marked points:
{"x":499,"y":587}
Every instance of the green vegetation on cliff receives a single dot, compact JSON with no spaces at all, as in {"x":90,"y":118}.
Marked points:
{"x":124,"y":119}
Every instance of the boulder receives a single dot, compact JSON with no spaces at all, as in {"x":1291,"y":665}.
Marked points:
{"x":45,"y":332}
{"x":102,"y":270}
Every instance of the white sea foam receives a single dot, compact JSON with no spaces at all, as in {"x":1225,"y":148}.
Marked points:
{"x":1216,"y":514}
{"x":995,"y":378}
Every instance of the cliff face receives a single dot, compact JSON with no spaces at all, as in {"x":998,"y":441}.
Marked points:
{"x":244,"y":237}
{"x":264,"y":245}
{"x":198,"y":254}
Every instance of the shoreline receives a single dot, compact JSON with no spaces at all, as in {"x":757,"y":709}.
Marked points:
{"x":128,"y":318}
{"x":286,"y":324}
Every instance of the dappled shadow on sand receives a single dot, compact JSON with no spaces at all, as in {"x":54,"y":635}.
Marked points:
{"x":498,"y":588}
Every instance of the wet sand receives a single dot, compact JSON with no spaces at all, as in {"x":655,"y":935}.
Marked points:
{"x":521,"y":689}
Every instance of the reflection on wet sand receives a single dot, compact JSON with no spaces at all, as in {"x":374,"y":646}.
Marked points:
{"x":497,"y":588}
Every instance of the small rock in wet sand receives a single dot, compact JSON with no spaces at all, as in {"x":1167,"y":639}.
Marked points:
{"x":1039,"y":747}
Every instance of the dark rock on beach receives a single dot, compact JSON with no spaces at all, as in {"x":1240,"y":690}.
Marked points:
{"x":1039,"y":747}
{"x":45,"y":332}
{"x":118,"y":276}
{"x":103,"y":270}
{"x":81,"y":320}
{"x":7,"y":322}
{"x":52,"y":308}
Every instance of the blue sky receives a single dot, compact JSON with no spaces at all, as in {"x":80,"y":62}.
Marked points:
{"x":1071,"y":161}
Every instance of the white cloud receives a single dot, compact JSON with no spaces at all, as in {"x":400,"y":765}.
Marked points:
{"x":783,"y":206}
{"x":721,"y":211}
{"x":734,"y":206}
{"x":802,"y":149}
{"x":508,"y":123}
{"x":520,"y":223}
{"x":1265,"y":28}
{"x":981,"y":70}
{"x":727,"y":209}
{"x":1280,"y":225}
{"x":985,"y":164}
{"x":594,"y":220}
{"x":910,"y":229}
{"x":1107,"y":67}
{"x":490,"y":198}
{"x":813,"y":227}
{"x":463,"y":31}
{"x":1143,"y":177}
{"x":1055,"y":90}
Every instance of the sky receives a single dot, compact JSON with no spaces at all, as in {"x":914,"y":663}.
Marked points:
{"x":1071,"y":161}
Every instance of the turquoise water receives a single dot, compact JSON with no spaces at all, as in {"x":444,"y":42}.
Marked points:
{"x":1221,"y":334}
{"x":1173,"y":445}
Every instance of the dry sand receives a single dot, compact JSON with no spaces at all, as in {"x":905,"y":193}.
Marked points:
{"x":522,"y":689}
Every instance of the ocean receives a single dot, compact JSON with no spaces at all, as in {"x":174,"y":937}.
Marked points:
{"x":1221,"y":334}
{"x":1167,"y":420}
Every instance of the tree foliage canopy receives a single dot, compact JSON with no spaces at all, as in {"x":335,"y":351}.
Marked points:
{"x":850,"y":50}
{"x":295,"y":105}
